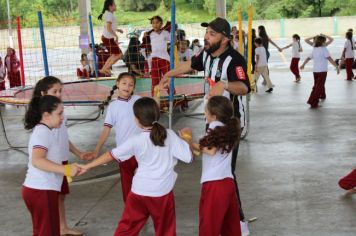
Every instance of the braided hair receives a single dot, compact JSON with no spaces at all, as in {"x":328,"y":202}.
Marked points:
{"x":226,"y":137}
{"x":107,"y":4}
{"x":112,"y":91}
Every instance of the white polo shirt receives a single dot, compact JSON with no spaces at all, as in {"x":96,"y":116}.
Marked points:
{"x":61,"y":138}
{"x":42,"y":137}
{"x":185,"y":56}
{"x":320,"y":55}
{"x":261,"y":52}
{"x":216,"y":167}
{"x":120,"y":116}
{"x":349,"y":53}
{"x":295,"y":50}
{"x":159,"y":44}
{"x":109,"y":17}
{"x":155,"y":175}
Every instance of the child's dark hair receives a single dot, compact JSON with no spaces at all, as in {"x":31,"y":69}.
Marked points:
{"x":297,"y":37}
{"x":258,"y":41}
{"x":147,"y":112}
{"x":122,"y":75}
{"x":349,"y":36}
{"x":107,"y":4}
{"x":224,"y":137}
{"x":45,"y":84}
{"x":156,"y":18}
{"x":38,"y":106}
{"x":319,"y":41}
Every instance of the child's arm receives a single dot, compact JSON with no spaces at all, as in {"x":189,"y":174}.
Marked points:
{"x":274,"y":44}
{"x":305,"y":62}
{"x":343,"y":54}
{"x":288,"y":46}
{"x":81,"y":155}
{"x":103,"y":159}
{"x":102,"y":139}
{"x":40,"y":161}
{"x":257,"y":59}
{"x":329,"y":40}
{"x":309,"y":41}
{"x":334,"y":64}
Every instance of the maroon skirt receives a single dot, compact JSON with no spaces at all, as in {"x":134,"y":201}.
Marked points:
{"x":111,"y":45}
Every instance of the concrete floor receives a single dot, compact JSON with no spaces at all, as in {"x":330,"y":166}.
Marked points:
{"x":288,"y":167}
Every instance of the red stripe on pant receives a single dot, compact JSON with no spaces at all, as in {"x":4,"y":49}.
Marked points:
{"x":349,"y":181}
{"x":158,"y":69}
{"x":318,"y":90}
{"x":294,"y":67}
{"x":137,"y":210}
{"x":43,"y":206}
{"x":127,"y":172}
{"x":348,"y":66}
{"x":219,"y":210}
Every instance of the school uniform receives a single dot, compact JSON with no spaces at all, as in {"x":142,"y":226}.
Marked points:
{"x":109,"y":38}
{"x":349,"y":58}
{"x":13,"y":70}
{"x":185,"y":56}
{"x":40,"y":188}
{"x":218,"y":209}
{"x":262,"y":66}
{"x":294,"y":64}
{"x":349,"y":181}
{"x":120,"y":116}
{"x":160,"y":57}
{"x":320,"y":69}
{"x":152,"y":186}
{"x":62,"y":149}
{"x":229,"y":66}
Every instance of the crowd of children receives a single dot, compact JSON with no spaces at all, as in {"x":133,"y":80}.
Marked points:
{"x":147,"y":170}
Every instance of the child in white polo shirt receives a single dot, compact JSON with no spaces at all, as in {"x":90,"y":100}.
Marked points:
{"x":45,"y":170}
{"x":120,"y":116}
{"x":261,"y":67}
{"x":157,"y":151}
{"x":219,"y":210}
{"x":321,"y":56}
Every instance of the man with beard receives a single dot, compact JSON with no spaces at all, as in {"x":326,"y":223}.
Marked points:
{"x":224,"y":69}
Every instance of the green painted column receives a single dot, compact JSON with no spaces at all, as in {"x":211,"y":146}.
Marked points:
{"x":335,"y":26}
{"x":282,"y":33}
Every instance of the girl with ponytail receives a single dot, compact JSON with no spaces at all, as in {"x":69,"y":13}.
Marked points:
{"x":219,"y":207}
{"x":296,"y":50}
{"x":157,"y":151}
{"x":348,"y":55}
{"x":120,"y":116}
{"x":45,"y":172}
{"x":109,"y":36}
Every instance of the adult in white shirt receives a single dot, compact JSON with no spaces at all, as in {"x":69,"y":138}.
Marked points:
{"x":109,"y":37}
{"x":158,"y":152}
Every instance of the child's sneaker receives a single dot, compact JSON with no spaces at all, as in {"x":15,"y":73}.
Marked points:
{"x":244,"y":228}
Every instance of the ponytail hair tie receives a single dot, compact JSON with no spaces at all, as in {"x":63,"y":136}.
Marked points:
{"x":154,"y":122}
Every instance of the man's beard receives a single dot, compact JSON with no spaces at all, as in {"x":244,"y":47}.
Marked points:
{"x":213,"y":47}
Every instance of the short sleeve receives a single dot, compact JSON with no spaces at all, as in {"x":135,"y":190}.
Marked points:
{"x":180,"y":148}
{"x":197,"y":61}
{"x":108,"y":17}
{"x":257,"y":51}
{"x":110,"y":118}
{"x":124,"y":151}
{"x":326,"y":53}
{"x":237,"y":72}
{"x":42,"y":138}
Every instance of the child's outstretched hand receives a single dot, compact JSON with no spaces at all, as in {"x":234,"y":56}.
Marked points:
{"x":302,"y":67}
{"x":82,"y":169}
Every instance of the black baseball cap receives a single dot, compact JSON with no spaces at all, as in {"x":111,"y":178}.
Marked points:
{"x":219,"y":25}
